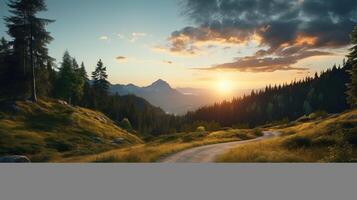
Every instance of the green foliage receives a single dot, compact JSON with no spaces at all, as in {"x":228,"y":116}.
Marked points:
{"x":100,"y":83}
{"x":307,"y":108}
{"x":352,"y":59}
{"x":201,"y":129}
{"x":318,"y":114}
{"x":125,"y":124}
{"x":257,"y":132}
{"x":71,"y":80}
{"x":194,"y":136}
{"x":29,"y":57}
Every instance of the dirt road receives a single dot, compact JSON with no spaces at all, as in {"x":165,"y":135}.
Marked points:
{"x":207,"y":154}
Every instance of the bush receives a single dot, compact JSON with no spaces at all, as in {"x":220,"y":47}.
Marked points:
{"x":318,"y":114}
{"x":258,"y":132}
{"x":193,"y":136}
{"x":125,"y":124}
{"x":201,"y":129}
{"x":297,"y":142}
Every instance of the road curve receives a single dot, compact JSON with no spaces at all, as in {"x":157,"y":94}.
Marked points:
{"x":208,"y":153}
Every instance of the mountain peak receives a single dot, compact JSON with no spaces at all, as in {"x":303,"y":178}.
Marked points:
{"x":161,"y":83}
{"x":159,"y":86}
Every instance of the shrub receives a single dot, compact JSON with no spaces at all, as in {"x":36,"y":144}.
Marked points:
{"x":193,"y":136}
{"x":318,"y":114}
{"x":201,"y":129}
{"x":125,"y":124}
{"x":257,"y":132}
{"x":297,"y":142}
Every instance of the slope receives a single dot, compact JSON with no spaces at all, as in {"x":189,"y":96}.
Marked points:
{"x":314,"y":138}
{"x":49,"y":130}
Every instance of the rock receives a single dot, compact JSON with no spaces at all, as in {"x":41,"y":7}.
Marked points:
{"x":118,"y":141}
{"x":62,"y":102}
{"x":28,"y":101}
{"x":14,"y":159}
{"x":101,"y":119}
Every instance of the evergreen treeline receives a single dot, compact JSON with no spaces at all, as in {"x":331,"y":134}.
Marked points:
{"x":282,"y":102}
{"x":352,"y":59}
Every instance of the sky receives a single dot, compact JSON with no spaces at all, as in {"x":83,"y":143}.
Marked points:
{"x":221,"y":45}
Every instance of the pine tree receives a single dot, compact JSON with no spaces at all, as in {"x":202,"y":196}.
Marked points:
{"x":4,"y":65}
{"x":78,"y":83}
{"x":100,"y":84}
{"x":352,"y":59}
{"x":30,"y":39}
{"x":87,"y":97}
{"x":66,"y":78}
{"x":100,"y":78}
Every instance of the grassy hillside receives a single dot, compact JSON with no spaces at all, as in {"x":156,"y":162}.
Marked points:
{"x":50,"y":130}
{"x":165,"y":145}
{"x":311,"y":139}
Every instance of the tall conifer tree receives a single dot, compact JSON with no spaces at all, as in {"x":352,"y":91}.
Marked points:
{"x":30,"y":38}
{"x":352,"y":59}
{"x":100,"y":84}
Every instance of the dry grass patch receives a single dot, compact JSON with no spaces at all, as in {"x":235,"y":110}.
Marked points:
{"x":166,"y":145}
{"x":329,"y":139}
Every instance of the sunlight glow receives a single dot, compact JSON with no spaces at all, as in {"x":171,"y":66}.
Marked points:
{"x":224,"y":87}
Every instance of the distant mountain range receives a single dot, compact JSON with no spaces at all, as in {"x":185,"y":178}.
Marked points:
{"x":161,"y":94}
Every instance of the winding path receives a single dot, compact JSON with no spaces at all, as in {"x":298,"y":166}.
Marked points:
{"x":208,"y":153}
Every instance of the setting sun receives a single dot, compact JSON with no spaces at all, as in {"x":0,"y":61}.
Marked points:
{"x":224,"y":86}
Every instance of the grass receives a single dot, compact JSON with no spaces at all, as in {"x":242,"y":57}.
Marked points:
{"x":47,"y":131}
{"x":321,"y":139}
{"x":166,"y":145}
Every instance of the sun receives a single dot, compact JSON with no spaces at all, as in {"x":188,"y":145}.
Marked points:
{"x":224,"y":86}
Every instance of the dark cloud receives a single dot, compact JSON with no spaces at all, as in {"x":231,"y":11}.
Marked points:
{"x":268,"y":64}
{"x":285,"y":27}
{"x":121,"y":58}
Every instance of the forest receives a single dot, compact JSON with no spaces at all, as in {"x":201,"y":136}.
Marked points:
{"x":28,"y":72}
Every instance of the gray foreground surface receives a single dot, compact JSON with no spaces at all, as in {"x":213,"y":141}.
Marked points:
{"x":178,"y":182}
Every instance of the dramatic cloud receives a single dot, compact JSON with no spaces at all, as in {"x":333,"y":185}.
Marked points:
{"x":269,"y":64}
{"x":286,"y":30}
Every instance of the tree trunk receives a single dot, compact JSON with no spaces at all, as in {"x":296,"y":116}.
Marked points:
{"x":33,"y":79}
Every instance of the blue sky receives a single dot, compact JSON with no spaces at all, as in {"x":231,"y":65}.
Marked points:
{"x":138,"y":31}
